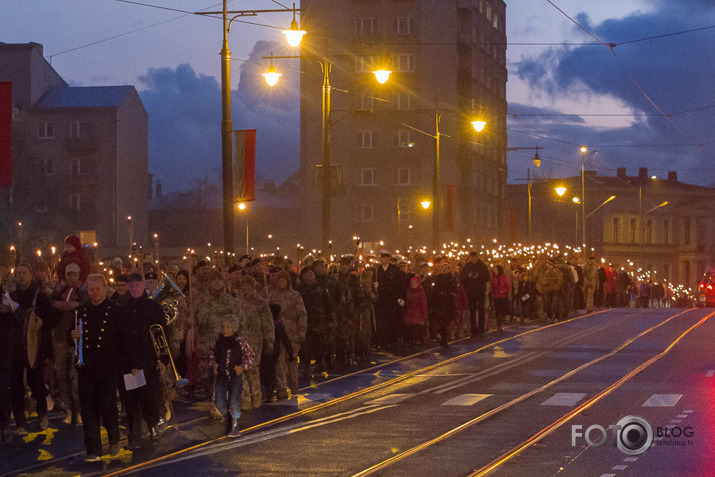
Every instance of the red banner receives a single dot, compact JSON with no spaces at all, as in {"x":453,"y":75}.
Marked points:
{"x":5,"y":134}
{"x":449,"y":210}
{"x":244,"y":166}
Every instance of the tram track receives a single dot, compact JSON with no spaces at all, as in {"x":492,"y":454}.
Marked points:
{"x":553,"y":426}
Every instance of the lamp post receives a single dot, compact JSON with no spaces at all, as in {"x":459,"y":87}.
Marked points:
{"x":293,"y":35}
{"x":536,"y":161}
{"x":242,"y":206}
{"x":584,"y":153}
{"x":272,"y":77}
{"x":19,"y":238}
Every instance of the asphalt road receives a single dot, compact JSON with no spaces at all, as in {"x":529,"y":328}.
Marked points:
{"x":516,"y":404}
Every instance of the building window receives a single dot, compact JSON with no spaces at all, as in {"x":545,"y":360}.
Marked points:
{"x":667,"y":233}
{"x":366,"y":139}
{"x":45,"y":130}
{"x":364,"y":64}
{"x":616,"y":229}
{"x":365,"y":213}
{"x":686,"y":231}
{"x":77,"y":167}
{"x":489,"y":12}
{"x":364,"y":102}
{"x":404,"y":63}
{"x":632,"y":231}
{"x":403,"y":138}
{"x":403,"y":101}
{"x":495,"y":21}
{"x":81,"y":129}
{"x":404,"y":176}
{"x":365,"y":177}
{"x":47,"y":167}
{"x":365,"y":26}
{"x":402,"y":25}
{"x":75,"y":202}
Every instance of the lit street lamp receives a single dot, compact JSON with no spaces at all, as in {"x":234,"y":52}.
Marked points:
{"x":292,"y":35}
{"x":272,"y":77}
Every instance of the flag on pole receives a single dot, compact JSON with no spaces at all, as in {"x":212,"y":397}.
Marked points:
{"x":5,"y":134}
{"x":244,"y":166}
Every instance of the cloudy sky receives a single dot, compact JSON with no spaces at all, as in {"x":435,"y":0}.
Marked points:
{"x":648,"y":101}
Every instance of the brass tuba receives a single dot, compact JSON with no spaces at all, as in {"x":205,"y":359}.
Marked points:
{"x":161,"y":347}
{"x":167,"y":295}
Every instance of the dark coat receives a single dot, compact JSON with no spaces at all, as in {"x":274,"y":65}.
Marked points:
{"x":474,"y":277}
{"x":25,"y":299}
{"x":391,"y":286}
{"x":100,"y":336}
{"x":137,"y":346}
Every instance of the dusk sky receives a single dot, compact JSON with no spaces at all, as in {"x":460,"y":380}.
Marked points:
{"x":564,"y":87}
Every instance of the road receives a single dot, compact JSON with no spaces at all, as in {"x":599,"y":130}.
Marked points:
{"x":515,"y":404}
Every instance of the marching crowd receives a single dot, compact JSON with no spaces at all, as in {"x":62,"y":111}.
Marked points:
{"x":242,"y":333}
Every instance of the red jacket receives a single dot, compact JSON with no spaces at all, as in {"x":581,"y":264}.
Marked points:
{"x":415,"y":304}
{"x":500,"y":286}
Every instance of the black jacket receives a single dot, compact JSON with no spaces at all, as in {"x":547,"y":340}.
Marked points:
{"x":137,"y":346}
{"x":100,"y":336}
{"x":25,"y":298}
{"x":474,"y":277}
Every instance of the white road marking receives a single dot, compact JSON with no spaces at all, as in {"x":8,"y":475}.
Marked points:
{"x":608,"y":475}
{"x":619,"y":467}
{"x":675,"y":421}
{"x":630,"y":459}
{"x":682,"y":416}
{"x":564,"y":399}
{"x":466,"y":400}
{"x":688,"y":411}
{"x":710,"y":373}
{"x":663,"y":400}
{"x":390,"y":399}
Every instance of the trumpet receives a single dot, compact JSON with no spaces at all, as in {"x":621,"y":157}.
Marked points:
{"x":161,"y":347}
{"x":78,"y":344}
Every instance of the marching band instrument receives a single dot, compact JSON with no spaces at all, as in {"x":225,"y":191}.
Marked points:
{"x":161,"y":347}
{"x":167,"y":294}
{"x":78,"y":344}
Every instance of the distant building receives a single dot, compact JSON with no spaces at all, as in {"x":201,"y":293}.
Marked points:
{"x":448,"y":61}
{"x":80,"y":160}
{"x":676,"y":240}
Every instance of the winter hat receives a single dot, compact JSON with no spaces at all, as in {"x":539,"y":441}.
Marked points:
{"x":74,"y":241}
{"x":72,"y":267}
{"x":284,"y":274}
{"x":416,"y":278}
{"x":232,"y":320}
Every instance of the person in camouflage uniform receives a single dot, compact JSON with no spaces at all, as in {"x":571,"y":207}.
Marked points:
{"x":319,"y":309}
{"x":590,"y":281}
{"x":348,"y":288}
{"x":295,"y":322}
{"x":259,"y":332}
{"x":364,"y":297}
{"x":210,"y":308}
{"x":329,"y":282}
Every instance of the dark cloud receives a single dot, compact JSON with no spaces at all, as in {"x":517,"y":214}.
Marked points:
{"x":674,"y":71}
{"x":185,"y":121}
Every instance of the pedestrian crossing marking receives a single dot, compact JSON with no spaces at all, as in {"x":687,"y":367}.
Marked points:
{"x":466,"y":400}
{"x":662,"y":400}
{"x":564,"y":399}
{"x":391,"y":398}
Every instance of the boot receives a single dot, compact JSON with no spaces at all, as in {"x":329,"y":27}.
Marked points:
{"x":235,"y":431}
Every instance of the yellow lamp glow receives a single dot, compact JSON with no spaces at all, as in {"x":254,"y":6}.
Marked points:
{"x":479,"y":125}
{"x":426,"y":204}
{"x":241,"y":206}
{"x":382,"y":76}
{"x":272,"y":76}
{"x":560,"y":191}
{"x":294,"y":35}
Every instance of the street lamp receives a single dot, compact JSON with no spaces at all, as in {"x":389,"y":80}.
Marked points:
{"x":560,"y":191}
{"x":584,"y":153}
{"x":536,"y":161}
{"x":272,"y":77}
{"x":19,"y":234}
{"x":226,"y":124}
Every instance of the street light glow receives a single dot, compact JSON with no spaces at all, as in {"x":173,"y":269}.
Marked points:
{"x":479,"y":125}
{"x":560,"y":190}
{"x":272,"y":76}
{"x":382,"y":75}
{"x":241,"y":206}
{"x":426,"y":204}
{"x":294,"y":35}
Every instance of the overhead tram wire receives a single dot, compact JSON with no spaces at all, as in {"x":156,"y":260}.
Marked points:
{"x":612,"y":47}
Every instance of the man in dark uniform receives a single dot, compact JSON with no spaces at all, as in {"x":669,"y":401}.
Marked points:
{"x":138,"y":352}
{"x":97,"y":372}
{"x":31,"y":343}
{"x":8,"y":322}
{"x":387,"y":307}
{"x":474,"y":277}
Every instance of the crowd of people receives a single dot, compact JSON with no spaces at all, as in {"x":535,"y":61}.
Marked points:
{"x":241,"y":334}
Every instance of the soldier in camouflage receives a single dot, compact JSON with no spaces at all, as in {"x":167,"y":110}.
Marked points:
{"x":259,"y":332}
